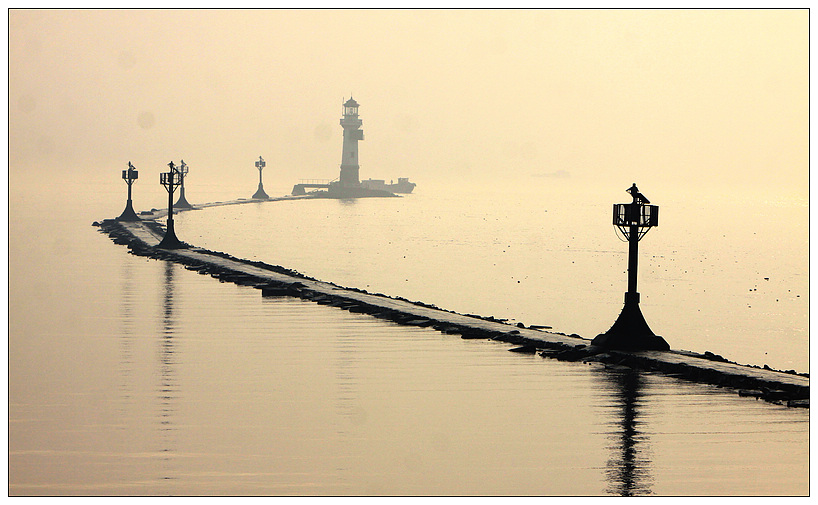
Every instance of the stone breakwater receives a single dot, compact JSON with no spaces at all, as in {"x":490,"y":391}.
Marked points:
{"x":781,"y":387}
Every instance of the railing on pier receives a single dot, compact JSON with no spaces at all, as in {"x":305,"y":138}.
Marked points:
{"x":315,"y":181}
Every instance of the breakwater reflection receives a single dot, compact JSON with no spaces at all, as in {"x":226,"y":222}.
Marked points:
{"x":628,"y":469}
{"x":127,"y":322}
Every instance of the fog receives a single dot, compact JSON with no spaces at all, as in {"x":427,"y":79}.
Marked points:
{"x":666,"y":98}
{"x":132,"y":376}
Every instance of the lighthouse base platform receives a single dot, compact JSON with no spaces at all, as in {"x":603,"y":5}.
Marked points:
{"x":341,"y":192}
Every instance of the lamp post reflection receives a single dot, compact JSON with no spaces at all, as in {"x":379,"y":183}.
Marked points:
{"x":127,"y":331}
{"x":168,"y":387}
{"x":628,"y":469}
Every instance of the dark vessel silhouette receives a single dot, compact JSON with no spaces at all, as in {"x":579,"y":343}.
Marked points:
{"x":402,"y":186}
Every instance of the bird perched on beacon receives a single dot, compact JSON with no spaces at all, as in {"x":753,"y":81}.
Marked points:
{"x":637,"y":196}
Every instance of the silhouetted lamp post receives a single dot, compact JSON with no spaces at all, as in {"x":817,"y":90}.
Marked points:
{"x":129,"y":176}
{"x":260,"y":194}
{"x":631,"y":331}
{"x":170,"y":180}
{"x":182,"y":202}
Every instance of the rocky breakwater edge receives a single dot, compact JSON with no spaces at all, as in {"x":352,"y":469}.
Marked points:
{"x":780,"y":387}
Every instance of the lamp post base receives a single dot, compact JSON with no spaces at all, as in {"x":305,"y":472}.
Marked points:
{"x":182,"y":203}
{"x":631,"y":332}
{"x":260,"y":194}
{"x":170,"y":241}
{"x":128,"y":214}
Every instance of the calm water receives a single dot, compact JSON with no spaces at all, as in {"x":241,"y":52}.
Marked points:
{"x":130,"y":376}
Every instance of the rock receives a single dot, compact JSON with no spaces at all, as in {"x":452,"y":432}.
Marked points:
{"x":274,"y":291}
{"x":804,"y":404}
{"x":775,"y":394}
{"x":473,"y":335}
{"x":342,"y":303}
{"x":602,"y":357}
{"x":619,"y":368}
{"x":520,"y":325}
{"x":714,"y":357}
{"x":572,"y":355}
{"x":418,"y":322}
{"x":524,"y":349}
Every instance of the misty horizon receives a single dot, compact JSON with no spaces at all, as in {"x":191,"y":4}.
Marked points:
{"x":689,"y":98}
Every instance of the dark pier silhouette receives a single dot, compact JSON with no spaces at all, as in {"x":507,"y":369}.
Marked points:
{"x":260,"y":194}
{"x":631,"y":331}
{"x":129,"y":176}
{"x":147,"y":238}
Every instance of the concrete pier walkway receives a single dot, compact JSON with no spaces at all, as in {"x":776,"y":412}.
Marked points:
{"x":775,"y":386}
{"x":161,"y":213}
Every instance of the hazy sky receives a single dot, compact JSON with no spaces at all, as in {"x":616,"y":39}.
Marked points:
{"x":709,"y":98}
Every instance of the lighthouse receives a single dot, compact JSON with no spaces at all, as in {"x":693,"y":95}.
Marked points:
{"x":348,"y":185}
{"x":352,"y":134}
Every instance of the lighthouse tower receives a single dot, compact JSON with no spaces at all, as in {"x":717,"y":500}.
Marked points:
{"x":352,"y":134}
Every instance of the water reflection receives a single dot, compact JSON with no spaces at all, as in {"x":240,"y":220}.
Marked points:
{"x":127,"y":321}
{"x":347,"y":398}
{"x":628,"y":469}
{"x":168,"y":386}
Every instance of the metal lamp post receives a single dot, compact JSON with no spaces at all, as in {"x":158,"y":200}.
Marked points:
{"x":182,"y":202}
{"x":631,"y":331}
{"x":170,"y":180}
{"x":129,"y":176}
{"x":260,"y":194}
